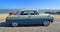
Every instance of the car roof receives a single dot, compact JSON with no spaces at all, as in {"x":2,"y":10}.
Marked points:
{"x":28,"y":10}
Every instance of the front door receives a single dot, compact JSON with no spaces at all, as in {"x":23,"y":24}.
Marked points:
{"x":24,"y":17}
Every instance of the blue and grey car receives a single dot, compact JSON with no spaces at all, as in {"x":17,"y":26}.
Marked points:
{"x":29,"y":17}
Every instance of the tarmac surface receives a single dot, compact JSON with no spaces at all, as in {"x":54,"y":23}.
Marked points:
{"x":54,"y":27}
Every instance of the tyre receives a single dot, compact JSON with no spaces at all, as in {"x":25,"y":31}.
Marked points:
{"x":46,"y":23}
{"x":14,"y":24}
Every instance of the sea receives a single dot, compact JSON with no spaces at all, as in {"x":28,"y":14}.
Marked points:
{"x":6,"y":11}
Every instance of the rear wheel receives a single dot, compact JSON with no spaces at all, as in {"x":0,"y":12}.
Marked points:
{"x":14,"y":24}
{"x":46,"y":23}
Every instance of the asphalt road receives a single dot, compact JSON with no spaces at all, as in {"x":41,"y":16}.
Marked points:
{"x":54,"y":27}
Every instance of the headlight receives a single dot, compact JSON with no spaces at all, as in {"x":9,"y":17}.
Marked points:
{"x":50,"y":16}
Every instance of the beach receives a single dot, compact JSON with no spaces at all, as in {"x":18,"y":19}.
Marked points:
{"x":54,"y":27}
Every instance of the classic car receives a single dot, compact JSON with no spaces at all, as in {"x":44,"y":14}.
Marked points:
{"x":29,"y":17}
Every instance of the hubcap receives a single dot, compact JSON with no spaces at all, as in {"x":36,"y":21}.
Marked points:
{"x":14,"y":24}
{"x":46,"y":23}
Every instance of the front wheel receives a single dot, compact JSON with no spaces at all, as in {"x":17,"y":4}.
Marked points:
{"x":46,"y":23}
{"x":14,"y":24}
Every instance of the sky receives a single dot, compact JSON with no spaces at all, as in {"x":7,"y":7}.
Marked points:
{"x":35,"y":4}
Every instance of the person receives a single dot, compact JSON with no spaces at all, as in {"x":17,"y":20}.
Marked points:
{"x":11,"y":13}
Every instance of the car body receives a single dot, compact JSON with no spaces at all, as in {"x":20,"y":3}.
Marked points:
{"x":27,"y":17}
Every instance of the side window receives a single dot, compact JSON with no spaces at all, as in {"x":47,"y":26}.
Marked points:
{"x":24,"y":13}
{"x":34,"y":13}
